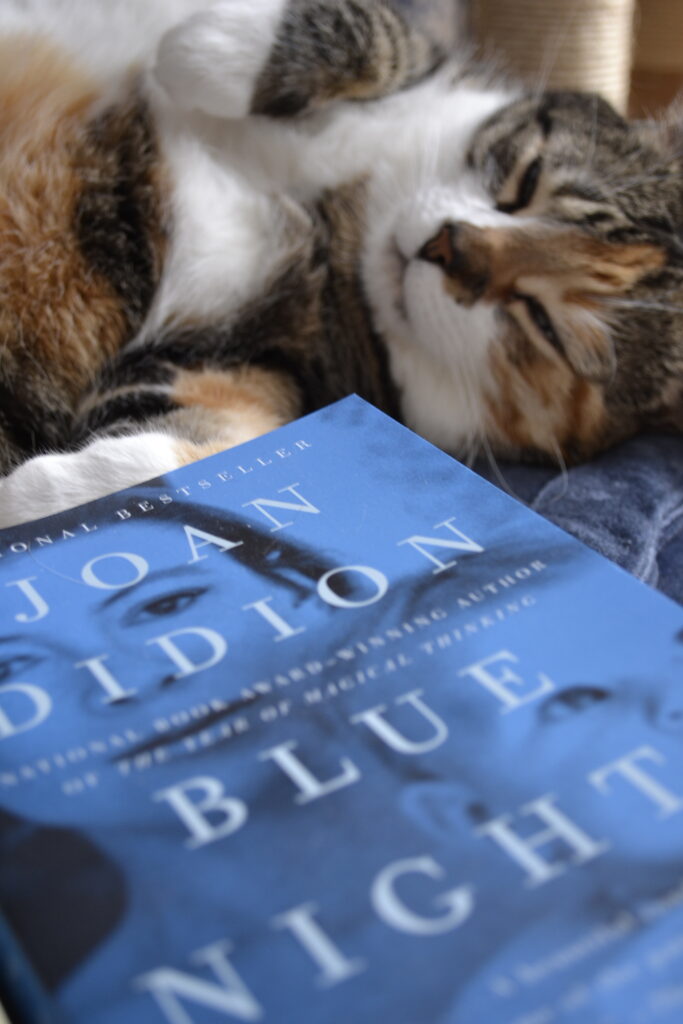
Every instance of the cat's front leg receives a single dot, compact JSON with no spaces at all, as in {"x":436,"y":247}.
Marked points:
{"x":286,"y":57}
{"x":51,"y":483}
{"x":214,"y":410}
{"x":212,"y":60}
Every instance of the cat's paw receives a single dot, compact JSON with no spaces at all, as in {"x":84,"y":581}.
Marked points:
{"x":212,"y":61}
{"x":51,"y":483}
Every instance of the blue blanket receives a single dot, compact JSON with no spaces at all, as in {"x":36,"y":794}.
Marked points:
{"x":627,"y":504}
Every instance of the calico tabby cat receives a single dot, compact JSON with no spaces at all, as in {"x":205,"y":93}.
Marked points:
{"x":216,"y":217}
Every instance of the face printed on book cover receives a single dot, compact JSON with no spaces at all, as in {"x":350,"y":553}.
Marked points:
{"x":139,"y":640}
{"x":609,"y":749}
{"x":131,"y":633}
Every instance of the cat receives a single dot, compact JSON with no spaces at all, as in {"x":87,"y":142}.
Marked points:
{"x":217,"y":217}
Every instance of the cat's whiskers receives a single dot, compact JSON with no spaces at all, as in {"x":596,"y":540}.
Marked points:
{"x":430,"y":154}
{"x":500,"y":477}
{"x":622,"y":184}
{"x":557,"y":452}
{"x":593,"y":139}
{"x":473,"y":436}
{"x":552,"y":49}
{"x":475,"y":449}
{"x":659,"y":307}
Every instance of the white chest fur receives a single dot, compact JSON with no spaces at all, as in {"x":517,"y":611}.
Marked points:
{"x":234,"y":227}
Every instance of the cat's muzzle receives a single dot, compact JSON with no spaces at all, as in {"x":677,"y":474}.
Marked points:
{"x":465,"y":263}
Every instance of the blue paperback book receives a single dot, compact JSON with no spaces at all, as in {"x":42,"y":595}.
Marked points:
{"x":327,"y":729}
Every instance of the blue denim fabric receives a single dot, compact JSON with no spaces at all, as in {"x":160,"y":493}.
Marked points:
{"x":627,"y":504}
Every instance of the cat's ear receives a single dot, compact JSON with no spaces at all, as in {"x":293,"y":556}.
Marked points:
{"x":665,"y":133}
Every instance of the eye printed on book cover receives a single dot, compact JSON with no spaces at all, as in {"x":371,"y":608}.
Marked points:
{"x":583,"y":698}
{"x":162,"y":598}
{"x":14,"y":663}
{"x":166,"y":593}
{"x":572,"y":701}
{"x":169,"y":603}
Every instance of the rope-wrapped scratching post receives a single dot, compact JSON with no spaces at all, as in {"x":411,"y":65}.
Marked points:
{"x":658,"y":62}
{"x":565,"y":44}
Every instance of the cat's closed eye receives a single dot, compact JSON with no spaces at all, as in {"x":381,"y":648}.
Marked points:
{"x":526,"y":188}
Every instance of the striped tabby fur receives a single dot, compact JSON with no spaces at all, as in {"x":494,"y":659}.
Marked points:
{"x":216,"y":217}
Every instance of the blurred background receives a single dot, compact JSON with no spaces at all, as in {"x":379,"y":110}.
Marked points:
{"x":631,"y":51}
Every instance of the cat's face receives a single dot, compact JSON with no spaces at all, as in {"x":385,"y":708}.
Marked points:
{"x":543,"y":279}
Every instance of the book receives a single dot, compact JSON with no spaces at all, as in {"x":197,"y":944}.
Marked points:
{"x":325,"y":728}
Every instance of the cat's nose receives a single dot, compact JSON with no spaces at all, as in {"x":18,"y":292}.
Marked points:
{"x":441,"y":249}
{"x":458,"y":251}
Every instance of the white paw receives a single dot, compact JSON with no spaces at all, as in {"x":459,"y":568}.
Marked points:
{"x":212,"y":61}
{"x":51,"y":483}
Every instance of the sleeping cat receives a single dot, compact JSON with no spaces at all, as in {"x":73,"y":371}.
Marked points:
{"x":217,"y":217}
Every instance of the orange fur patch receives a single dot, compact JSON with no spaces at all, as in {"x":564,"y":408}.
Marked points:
{"x":575,"y":266}
{"x":54,"y":312}
{"x":540,"y":404}
{"x":239,"y":404}
{"x":59,"y":318}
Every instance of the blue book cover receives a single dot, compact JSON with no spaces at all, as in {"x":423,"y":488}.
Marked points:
{"x":326,"y":729}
